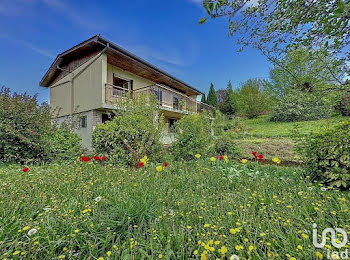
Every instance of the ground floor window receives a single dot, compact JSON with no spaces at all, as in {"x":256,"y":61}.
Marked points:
{"x":106,"y":117}
{"x":171,"y":123}
{"x":83,"y":122}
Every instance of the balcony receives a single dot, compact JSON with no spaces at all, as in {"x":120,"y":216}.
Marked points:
{"x":169,"y":99}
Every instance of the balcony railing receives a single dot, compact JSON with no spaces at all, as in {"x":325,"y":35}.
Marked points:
{"x":169,"y":99}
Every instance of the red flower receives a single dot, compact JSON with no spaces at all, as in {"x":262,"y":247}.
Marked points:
{"x":141,"y":164}
{"x":103,"y":158}
{"x":96,"y":158}
{"x":165,"y":164}
{"x":219,"y":157}
{"x":84,"y":159}
{"x":25,"y":169}
{"x":254,"y":153}
{"x":261,"y":159}
{"x":260,"y":156}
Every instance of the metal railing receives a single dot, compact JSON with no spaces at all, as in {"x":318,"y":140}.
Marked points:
{"x":169,"y":99}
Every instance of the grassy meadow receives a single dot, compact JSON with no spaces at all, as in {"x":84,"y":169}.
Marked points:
{"x":275,"y":138}
{"x":189,"y":210}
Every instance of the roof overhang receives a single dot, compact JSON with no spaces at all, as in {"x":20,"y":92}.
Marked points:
{"x":116,"y":56}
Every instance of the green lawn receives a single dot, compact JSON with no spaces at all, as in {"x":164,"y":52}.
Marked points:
{"x":262,"y":127}
{"x":88,"y":211}
{"x":275,"y":138}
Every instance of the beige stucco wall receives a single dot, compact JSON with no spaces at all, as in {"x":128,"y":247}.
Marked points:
{"x":138,"y":82}
{"x":88,"y":83}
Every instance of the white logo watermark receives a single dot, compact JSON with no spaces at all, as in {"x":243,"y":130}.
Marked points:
{"x":334,"y":241}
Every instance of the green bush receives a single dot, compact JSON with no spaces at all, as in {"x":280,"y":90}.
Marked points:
{"x":327,"y":155}
{"x":225,"y":145}
{"x":301,"y":106}
{"x":26,"y":132}
{"x":62,"y":145}
{"x":193,"y":135}
{"x":132,"y":134}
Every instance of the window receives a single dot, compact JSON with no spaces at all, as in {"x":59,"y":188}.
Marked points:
{"x":172,"y":122}
{"x":159,"y":94}
{"x":121,"y":86}
{"x":83,"y":122}
{"x":175,"y":102}
{"x":106,"y":117}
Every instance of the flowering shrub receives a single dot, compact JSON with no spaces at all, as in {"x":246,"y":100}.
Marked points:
{"x":327,"y":155}
{"x":193,"y":136}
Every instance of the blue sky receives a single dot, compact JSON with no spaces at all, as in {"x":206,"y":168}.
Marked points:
{"x":163,"y":32}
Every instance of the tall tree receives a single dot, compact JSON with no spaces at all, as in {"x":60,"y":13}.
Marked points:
{"x":212,"y":98}
{"x":227,"y":106}
{"x":250,"y":99}
{"x":276,"y":26}
{"x":203,"y":100}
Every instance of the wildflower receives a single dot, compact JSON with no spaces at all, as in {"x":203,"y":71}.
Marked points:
{"x":144,"y":160}
{"x":260,"y":156}
{"x":98,"y":199}
{"x":160,"y":256}
{"x":165,"y":164}
{"x":234,"y":257}
{"x":25,"y":169}
{"x":195,"y":252}
{"x":203,"y":257}
{"x":212,"y":159}
{"x":103,"y":158}
{"x":226,"y":158}
{"x":276,"y":160}
{"x":244,"y":161}
{"x":141,"y":164}
{"x":96,"y":158}
{"x":85,"y":159}
{"x":25,"y":228}
{"x":219,"y":157}
{"x":305,"y":236}
{"x":32,"y":231}
{"x":197,"y":155}
{"x":16,"y":252}
{"x":319,"y":255}
{"x":61,"y":256}
{"x":251,"y":248}
{"x":239,"y":247}
{"x":100,"y":258}
{"x":76,"y":231}
{"x":223,"y":250}
{"x":254,"y":153}
{"x":109,"y":253}
{"x":159,"y":168}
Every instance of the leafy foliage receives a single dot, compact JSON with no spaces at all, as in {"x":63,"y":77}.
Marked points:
{"x":225,"y":145}
{"x":327,"y":155}
{"x":277,"y":26}
{"x":62,"y":145}
{"x":133,"y":133}
{"x":193,"y":136}
{"x":250,"y":100}
{"x":26,"y":133}
{"x":301,"y":106}
{"x":227,"y":106}
{"x":212,"y":98}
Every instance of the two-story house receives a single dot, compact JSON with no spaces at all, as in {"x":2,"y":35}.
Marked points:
{"x":87,"y":82}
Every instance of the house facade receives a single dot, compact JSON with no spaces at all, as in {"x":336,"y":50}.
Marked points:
{"x":93,"y":78}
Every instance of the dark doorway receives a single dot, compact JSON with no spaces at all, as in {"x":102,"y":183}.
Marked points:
{"x":106,"y":117}
{"x":172,"y":122}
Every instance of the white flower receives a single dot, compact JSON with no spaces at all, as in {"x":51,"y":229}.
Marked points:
{"x":323,"y":189}
{"x":98,"y":199}
{"x":32,"y":231}
{"x":234,"y":257}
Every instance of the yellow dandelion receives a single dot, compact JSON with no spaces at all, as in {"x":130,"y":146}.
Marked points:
{"x":159,"y":168}
{"x":223,"y":250}
{"x":319,"y":255}
{"x":197,"y":156}
{"x":25,"y":228}
{"x":212,"y":159}
{"x":109,"y":253}
{"x":16,"y":252}
{"x":239,"y":247}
